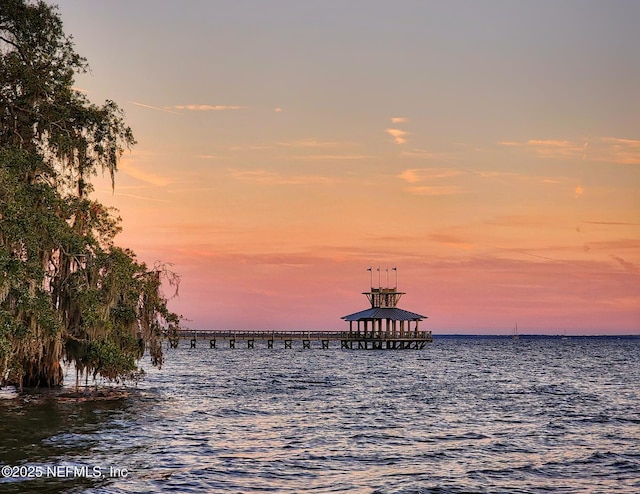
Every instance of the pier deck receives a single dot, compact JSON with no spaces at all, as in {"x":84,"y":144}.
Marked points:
{"x":349,"y":340}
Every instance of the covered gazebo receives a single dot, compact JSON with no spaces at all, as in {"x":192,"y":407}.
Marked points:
{"x":384,"y":321}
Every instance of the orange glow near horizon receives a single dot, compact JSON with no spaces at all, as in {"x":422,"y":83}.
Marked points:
{"x":276,"y":164}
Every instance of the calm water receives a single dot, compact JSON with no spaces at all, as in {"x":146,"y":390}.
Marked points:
{"x":465,"y":415}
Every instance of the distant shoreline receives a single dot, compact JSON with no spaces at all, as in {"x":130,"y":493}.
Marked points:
{"x":435,"y":335}
{"x":533,"y":336}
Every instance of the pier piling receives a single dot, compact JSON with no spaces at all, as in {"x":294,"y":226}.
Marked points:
{"x":348,"y":340}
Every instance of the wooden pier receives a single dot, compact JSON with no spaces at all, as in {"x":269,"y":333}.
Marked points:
{"x":382,"y":326}
{"x":346,"y":340}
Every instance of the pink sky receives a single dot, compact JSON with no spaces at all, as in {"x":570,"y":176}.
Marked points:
{"x":491,"y":154}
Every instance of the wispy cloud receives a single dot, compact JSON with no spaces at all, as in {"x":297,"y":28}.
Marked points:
{"x":603,"y":149}
{"x":450,"y":240}
{"x":624,"y":151}
{"x":329,"y":157}
{"x":332,"y":149}
{"x":252,"y":147}
{"x":128,"y":167}
{"x":398,"y":135}
{"x":211,"y":157}
{"x":207,"y":107}
{"x":153,"y":107}
{"x":519,"y":220}
{"x":313,"y":143}
{"x":270,"y":178}
{"x":549,"y":148}
{"x":415,"y":175}
{"x":612,"y":223}
{"x":142,"y":198}
{"x":436,"y":190}
{"x":431,"y":181}
{"x":178,"y":109}
{"x":435,"y":176}
{"x":419,"y":153}
{"x":628,"y":266}
{"x":510,"y":177}
{"x":632,"y":244}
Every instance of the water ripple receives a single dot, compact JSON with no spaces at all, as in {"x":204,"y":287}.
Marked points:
{"x":463,"y":415}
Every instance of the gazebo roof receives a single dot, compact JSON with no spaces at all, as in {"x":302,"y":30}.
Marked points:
{"x":392,"y":313}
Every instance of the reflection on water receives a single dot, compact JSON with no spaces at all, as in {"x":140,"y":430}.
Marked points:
{"x":465,"y":414}
{"x":45,"y":436}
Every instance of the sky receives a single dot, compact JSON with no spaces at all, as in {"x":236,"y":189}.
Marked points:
{"x":490,"y":151}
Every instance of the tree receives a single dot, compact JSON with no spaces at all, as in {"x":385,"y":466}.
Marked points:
{"x":67,"y":292}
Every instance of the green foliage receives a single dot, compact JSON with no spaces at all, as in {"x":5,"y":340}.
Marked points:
{"x":106,"y":357}
{"x":66,"y":291}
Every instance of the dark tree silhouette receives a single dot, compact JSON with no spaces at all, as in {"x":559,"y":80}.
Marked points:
{"x":66,"y":291}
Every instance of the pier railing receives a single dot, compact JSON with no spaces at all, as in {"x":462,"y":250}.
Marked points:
{"x":302,"y":334}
